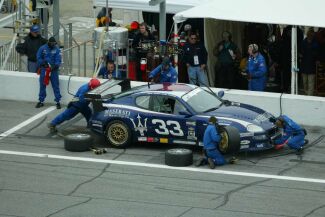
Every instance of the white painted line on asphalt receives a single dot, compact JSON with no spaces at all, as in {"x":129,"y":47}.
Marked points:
{"x":215,"y":171}
{"x":28,"y":121}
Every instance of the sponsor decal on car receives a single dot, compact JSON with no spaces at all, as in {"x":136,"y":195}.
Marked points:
{"x":142,"y":139}
{"x":245,"y":142}
{"x":248,"y":134}
{"x":191,"y":133}
{"x":117,"y":113}
{"x":163,"y":140}
{"x":260,"y":145}
{"x":152,"y":139}
{"x":96,"y":123}
{"x":244,"y":146}
{"x":142,"y":125}
{"x":184,"y":142}
{"x":191,"y":123}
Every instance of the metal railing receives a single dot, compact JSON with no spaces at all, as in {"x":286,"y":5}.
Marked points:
{"x":9,"y":58}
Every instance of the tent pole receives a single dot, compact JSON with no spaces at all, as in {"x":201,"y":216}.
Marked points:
{"x":162,"y":20}
{"x":294,"y":60}
{"x":176,"y":45}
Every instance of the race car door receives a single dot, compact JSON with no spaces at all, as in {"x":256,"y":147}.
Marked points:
{"x":166,"y":124}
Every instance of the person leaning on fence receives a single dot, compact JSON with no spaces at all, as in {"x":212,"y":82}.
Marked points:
{"x":49,"y":61}
{"x":32,"y":42}
{"x":109,"y":71}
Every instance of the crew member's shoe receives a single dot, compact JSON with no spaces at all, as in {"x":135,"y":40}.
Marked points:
{"x":211,"y":163}
{"x":39,"y":105}
{"x":52,"y":128}
{"x":200,"y":162}
{"x":300,"y":151}
{"x":58,"y":105}
{"x":233,"y":160}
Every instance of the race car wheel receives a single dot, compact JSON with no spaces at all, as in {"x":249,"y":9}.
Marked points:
{"x":78,"y":142}
{"x":118,"y":134}
{"x":230,"y":140}
{"x":178,"y":157}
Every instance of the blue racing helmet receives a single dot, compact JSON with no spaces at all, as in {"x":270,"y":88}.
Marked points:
{"x":34,"y":28}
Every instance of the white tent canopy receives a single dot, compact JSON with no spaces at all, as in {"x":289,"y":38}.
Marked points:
{"x":287,"y":12}
{"x":172,"y":6}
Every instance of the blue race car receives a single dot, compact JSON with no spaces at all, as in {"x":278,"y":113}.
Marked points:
{"x":178,"y":114}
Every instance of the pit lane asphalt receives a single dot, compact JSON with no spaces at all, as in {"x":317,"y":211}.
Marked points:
{"x":43,"y":186}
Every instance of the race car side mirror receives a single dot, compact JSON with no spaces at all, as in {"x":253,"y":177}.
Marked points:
{"x":221,"y":93}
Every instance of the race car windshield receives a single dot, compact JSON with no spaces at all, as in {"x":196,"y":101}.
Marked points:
{"x":201,"y":100}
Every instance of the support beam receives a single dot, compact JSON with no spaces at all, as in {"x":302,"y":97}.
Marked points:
{"x":56,"y":20}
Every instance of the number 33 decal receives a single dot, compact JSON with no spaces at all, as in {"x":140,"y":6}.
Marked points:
{"x":175,"y":131}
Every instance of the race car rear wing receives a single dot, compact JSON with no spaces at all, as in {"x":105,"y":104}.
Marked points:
{"x":95,"y":96}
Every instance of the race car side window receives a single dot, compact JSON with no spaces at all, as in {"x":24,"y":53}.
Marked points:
{"x":178,"y":108}
{"x":162,"y":104}
{"x":143,"y":101}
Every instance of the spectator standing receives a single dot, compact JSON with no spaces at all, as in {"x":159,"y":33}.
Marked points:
{"x":32,"y":42}
{"x":195,"y":57}
{"x":227,"y":53}
{"x":109,"y":71}
{"x":164,"y":72}
{"x":102,"y":18}
{"x":141,"y":37}
{"x":256,"y":69}
{"x":78,"y":105}
{"x":309,"y":58}
{"x":49,"y":61}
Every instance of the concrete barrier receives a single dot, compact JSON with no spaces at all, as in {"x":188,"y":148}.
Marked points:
{"x":306,"y":110}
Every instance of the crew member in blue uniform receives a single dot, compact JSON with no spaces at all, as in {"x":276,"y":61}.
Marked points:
{"x":164,"y":72}
{"x":293,"y":134}
{"x":109,"y":71}
{"x":78,"y":104}
{"x":49,"y":61}
{"x":256,"y":69}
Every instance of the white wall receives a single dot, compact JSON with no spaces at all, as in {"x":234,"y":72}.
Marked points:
{"x":305,"y":110}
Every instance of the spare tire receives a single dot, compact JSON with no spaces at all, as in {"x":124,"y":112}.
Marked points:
{"x":78,"y":142}
{"x":179,"y":157}
{"x":230,"y":140}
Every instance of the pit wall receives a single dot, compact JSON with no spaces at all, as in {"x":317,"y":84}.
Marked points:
{"x":306,"y":110}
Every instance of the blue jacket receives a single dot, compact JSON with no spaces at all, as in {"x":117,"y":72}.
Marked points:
{"x":165,"y":76}
{"x":103,"y":73}
{"x":291,"y":128}
{"x":46,"y":55}
{"x":82,"y":102}
{"x":211,"y":137}
{"x":256,"y":68}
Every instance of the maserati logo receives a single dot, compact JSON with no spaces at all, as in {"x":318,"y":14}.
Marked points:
{"x":141,"y":126}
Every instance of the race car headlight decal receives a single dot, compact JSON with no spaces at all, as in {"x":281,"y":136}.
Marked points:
{"x":254,"y":128}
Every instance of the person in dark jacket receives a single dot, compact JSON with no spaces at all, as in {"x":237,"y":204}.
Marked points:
{"x":32,"y":42}
{"x":309,"y":53}
{"x":49,"y":61}
{"x":142,"y":37}
{"x":164,"y":72}
{"x":195,"y":57}
{"x":256,"y":69}
{"x":227,"y":53}
{"x":78,"y":105}
{"x":293,"y":134}
{"x":109,"y":71}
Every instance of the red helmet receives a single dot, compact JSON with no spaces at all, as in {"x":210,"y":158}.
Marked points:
{"x":93,"y":83}
{"x":134,"y":25}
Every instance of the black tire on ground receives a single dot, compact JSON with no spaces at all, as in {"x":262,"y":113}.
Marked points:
{"x":118,"y":134}
{"x":78,"y":142}
{"x":178,"y":157}
{"x":230,"y":141}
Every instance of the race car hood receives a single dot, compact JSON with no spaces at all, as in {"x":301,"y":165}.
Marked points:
{"x":245,"y":113}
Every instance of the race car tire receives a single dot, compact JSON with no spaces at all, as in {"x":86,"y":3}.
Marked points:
{"x":178,"y":157}
{"x":230,"y":141}
{"x":78,"y":142}
{"x":118,"y":134}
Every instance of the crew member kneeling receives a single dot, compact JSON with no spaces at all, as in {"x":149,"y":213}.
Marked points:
{"x":78,"y":104}
{"x":293,"y":134}
{"x":163,"y":73}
